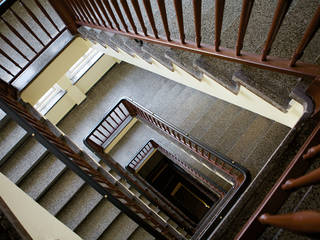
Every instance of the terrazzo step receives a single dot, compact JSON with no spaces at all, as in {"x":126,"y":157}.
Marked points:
{"x":136,"y":47}
{"x":3,"y":118}
{"x":60,"y":193}
{"x":120,"y":42}
{"x":24,"y":160}
{"x":157,"y":52}
{"x":98,"y":221}
{"x":299,"y":200}
{"x":184,"y":60}
{"x":140,"y":234}
{"x":11,"y":137}
{"x":121,"y":228}
{"x":219,"y":70}
{"x":43,"y":176}
{"x":78,"y":208}
{"x":266,"y":146}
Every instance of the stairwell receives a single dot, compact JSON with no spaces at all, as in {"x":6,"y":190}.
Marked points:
{"x":245,"y":137}
{"x":73,"y":202}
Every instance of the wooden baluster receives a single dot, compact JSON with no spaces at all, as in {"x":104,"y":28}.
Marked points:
{"x":75,"y":11}
{"x":197,"y":5}
{"x":13,"y":46}
{"x":244,"y":20}
{"x":304,"y":221}
{"x":280,"y":13}
{"x":110,"y":11}
{"x":10,"y":59}
{"x":219,"y":9}
{"x":149,"y":12}
{"x":80,"y":9}
{"x":91,"y":13}
{"x":179,"y":14}
{"x":307,"y":179}
{"x":128,"y":14}
{"x":163,"y":13}
{"x":97,"y":12}
{"x":312,"y":152}
{"x":84,"y":11}
{"x":6,"y":70}
{"x":18,"y":35}
{"x":27,"y":27}
{"x":137,"y":9}
{"x":46,"y":14}
{"x":118,"y":10}
{"x":35,"y":19}
{"x":105,"y":14}
{"x":312,"y":28}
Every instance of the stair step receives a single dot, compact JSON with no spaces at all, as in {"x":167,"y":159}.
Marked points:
{"x":224,"y":121}
{"x":200,"y":128}
{"x":249,"y":140}
{"x":235,"y":130}
{"x":78,"y":208}
{"x":60,"y":193}
{"x":136,"y":47}
{"x":98,"y":221}
{"x":140,"y":234}
{"x":121,"y":228}
{"x":120,"y":42}
{"x":11,"y":136}
{"x":266,"y":146}
{"x":43,"y":176}
{"x":273,"y":87}
{"x":184,"y":60}
{"x":219,"y":70}
{"x":24,"y":160}
{"x":3,"y":118}
{"x":157,"y":52}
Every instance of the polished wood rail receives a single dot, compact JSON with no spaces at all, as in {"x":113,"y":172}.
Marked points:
{"x":111,"y":16}
{"x":13,"y":65}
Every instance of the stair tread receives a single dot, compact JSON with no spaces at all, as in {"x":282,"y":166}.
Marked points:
{"x":121,"y":228}
{"x":78,"y":208}
{"x":235,"y":130}
{"x":137,"y":49}
{"x":61,"y":192}
{"x":11,"y":136}
{"x":23,"y":160}
{"x":98,"y":220}
{"x":43,"y":176}
{"x":266,"y":146}
{"x":224,"y":120}
{"x":120,"y":42}
{"x":248,"y":141}
{"x":184,"y":60}
{"x":221,"y":71}
{"x":158,"y":53}
{"x":139,"y":234}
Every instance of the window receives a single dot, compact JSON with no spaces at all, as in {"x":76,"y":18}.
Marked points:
{"x":83,"y":64}
{"x":49,"y":99}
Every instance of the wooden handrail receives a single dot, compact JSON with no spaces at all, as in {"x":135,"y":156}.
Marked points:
{"x":260,"y":61}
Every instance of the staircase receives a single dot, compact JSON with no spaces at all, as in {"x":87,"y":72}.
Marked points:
{"x":276,"y":89}
{"x":245,"y":137}
{"x":63,"y":194}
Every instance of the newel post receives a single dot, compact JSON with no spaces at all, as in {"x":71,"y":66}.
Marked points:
{"x":66,"y":15}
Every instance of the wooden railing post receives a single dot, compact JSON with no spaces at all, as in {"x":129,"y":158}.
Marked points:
{"x":65,"y":13}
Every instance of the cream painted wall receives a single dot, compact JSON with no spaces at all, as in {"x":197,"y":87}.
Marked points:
{"x":245,"y":98}
{"x":55,"y":70}
{"x":37,"y":221}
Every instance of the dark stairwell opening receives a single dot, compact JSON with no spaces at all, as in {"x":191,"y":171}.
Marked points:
{"x":176,"y":185}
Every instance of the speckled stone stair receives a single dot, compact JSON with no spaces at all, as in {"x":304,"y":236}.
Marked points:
{"x":3,"y":118}
{"x":304,"y":198}
{"x":11,"y":136}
